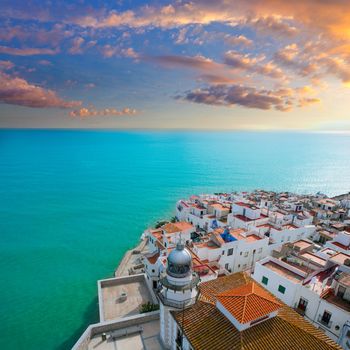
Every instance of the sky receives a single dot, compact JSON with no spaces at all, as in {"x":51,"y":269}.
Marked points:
{"x":227,"y":64}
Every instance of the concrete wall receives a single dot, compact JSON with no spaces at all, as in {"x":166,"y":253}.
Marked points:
{"x":103,"y":327}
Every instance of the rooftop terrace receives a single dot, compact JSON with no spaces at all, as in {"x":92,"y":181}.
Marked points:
{"x":294,"y":277}
{"x":123,"y":296}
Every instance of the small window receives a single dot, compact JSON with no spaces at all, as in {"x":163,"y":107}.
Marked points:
{"x":226,"y":266}
{"x":246,"y":254}
{"x":153,"y":270}
{"x":244,"y":266}
{"x":223,"y":252}
{"x":239,"y":265}
{"x":260,"y":250}
{"x":265,"y":280}
{"x":341,"y":291}
{"x":240,"y":253}
{"x":230,"y":251}
{"x":281,"y":289}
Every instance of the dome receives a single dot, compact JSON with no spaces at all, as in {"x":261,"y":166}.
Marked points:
{"x":179,"y":262}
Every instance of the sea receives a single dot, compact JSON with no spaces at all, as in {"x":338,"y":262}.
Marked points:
{"x":73,"y":201}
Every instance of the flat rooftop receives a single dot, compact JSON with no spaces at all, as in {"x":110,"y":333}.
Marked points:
{"x":301,"y":244}
{"x":139,"y":337}
{"x":115,"y":305}
{"x":313,"y":258}
{"x":284,"y":272}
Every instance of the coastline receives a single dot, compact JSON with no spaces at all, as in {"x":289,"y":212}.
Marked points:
{"x":129,"y":258}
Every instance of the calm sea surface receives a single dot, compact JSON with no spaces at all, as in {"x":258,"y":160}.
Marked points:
{"x":72,"y":202}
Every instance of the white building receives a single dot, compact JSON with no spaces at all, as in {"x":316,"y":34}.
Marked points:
{"x":317,"y":288}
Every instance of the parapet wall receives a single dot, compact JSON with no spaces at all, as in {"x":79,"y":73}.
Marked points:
{"x":103,"y":327}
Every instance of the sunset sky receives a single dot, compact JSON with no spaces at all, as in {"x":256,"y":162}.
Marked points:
{"x":237,"y":64}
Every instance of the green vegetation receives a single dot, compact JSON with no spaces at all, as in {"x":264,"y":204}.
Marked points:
{"x":148,"y":307}
{"x":160,"y":223}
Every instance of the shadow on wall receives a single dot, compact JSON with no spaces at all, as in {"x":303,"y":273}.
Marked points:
{"x":90,"y":316}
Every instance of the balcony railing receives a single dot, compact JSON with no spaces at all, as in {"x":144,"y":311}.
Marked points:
{"x":179,"y":287}
{"x":176,"y":303}
{"x":323,"y":322}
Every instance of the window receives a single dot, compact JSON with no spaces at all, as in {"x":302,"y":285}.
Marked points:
{"x":223,"y":252}
{"x":302,"y":304}
{"x":230,"y":251}
{"x":281,"y":289}
{"x":240,"y":253}
{"x":226,"y":266}
{"x":244,"y":266}
{"x":341,"y":291}
{"x":239,"y":265}
{"x":153,"y":270}
{"x":326,"y":317}
{"x":265,"y":280}
{"x":260,"y":250}
{"x":246,"y":254}
{"x":178,"y":339}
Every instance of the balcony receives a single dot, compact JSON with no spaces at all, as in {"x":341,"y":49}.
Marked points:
{"x":176,"y":303}
{"x":180,"y":287}
{"x":324,"y":322}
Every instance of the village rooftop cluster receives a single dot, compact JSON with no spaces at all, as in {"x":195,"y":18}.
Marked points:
{"x":265,"y":268}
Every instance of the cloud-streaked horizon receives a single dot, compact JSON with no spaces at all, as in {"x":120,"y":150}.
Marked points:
{"x":287,"y":58}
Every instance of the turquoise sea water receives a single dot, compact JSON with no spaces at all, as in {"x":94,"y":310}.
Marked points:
{"x":72,"y":202}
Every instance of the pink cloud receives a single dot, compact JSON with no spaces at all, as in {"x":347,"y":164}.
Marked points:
{"x":27,"y":51}
{"x":17,"y":91}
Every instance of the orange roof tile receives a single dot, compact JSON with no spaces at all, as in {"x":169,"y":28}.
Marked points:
{"x":205,"y":327}
{"x":153,"y":259}
{"x":248,"y":302}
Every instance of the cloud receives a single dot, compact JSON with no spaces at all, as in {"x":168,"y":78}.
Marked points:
{"x":45,"y":63}
{"x":181,"y":37}
{"x":109,"y":51}
{"x":90,"y":86}
{"x":195,"y":62}
{"x":93,"y":112}
{"x":76,"y":46}
{"x":237,"y":40}
{"x":255,"y":65}
{"x":5,"y":65}
{"x":217,"y":79}
{"x":27,"y":51}
{"x":17,"y":91}
{"x":232,"y":95}
{"x":34,"y":34}
{"x":303,"y":102}
{"x":275,"y":25}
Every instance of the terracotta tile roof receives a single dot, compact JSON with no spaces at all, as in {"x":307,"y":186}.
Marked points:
{"x":206,"y":327}
{"x":177,"y":226}
{"x":183,"y":225}
{"x":170,"y":228}
{"x":153,"y":259}
{"x":248,"y":302}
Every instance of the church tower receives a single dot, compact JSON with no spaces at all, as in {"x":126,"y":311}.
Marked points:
{"x":178,"y":289}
